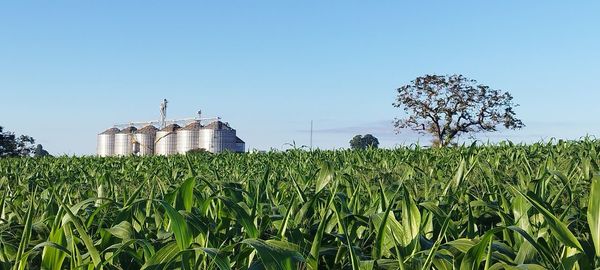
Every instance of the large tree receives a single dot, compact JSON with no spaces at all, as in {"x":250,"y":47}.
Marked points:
{"x":364,"y":142}
{"x":449,"y":106}
{"x":13,"y":146}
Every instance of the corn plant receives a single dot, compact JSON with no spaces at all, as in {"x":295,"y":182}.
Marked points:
{"x":502,"y":206}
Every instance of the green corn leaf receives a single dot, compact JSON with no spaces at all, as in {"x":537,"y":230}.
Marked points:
{"x":123,"y":230}
{"x":133,"y":196}
{"x":477,"y":253}
{"x":354,"y":260}
{"x":183,"y":237}
{"x":242,"y":217}
{"x":593,"y":213}
{"x":392,"y":230}
{"x":25,"y":237}
{"x":386,"y":264}
{"x":284,"y":223}
{"x":185,"y":195}
{"x":458,"y":177}
{"x":163,"y":257}
{"x":544,"y":251}
{"x":325,"y":176}
{"x":411,"y":221}
{"x":54,"y":246}
{"x":313,"y":259}
{"x":430,"y":257}
{"x":383,"y":230}
{"x":221,"y":261}
{"x":87,"y":240}
{"x":559,"y":229}
{"x":52,"y":254}
{"x":276,"y":255}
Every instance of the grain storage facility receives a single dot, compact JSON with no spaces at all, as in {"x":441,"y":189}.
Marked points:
{"x":106,"y":142}
{"x":187,"y":137}
{"x":166,"y":140}
{"x":215,"y":137}
{"x":205,"y":139}
{"x":221,"y":137}
{"x":240,"y":146}
{"x":144,"y":140}
{"x":124,"y":142}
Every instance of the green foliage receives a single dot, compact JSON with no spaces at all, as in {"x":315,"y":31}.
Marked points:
{"x":479,"y":207}
{"x":447,"y":107}
{"x":364,"y":142}
{"x":12,"y":145}
{"x":593,"y":213}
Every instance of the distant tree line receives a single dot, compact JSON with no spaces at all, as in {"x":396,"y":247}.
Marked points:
{"x":12,"y":145}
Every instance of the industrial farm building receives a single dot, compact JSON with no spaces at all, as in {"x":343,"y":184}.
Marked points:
{"x":146,"y":139}
{"x":214,"y":137}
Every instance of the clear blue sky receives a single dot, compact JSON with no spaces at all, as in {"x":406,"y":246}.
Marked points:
{"x":70,"y":69}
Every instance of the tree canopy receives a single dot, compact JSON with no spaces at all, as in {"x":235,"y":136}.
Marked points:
{"x":13,"y":146}
{"x":363,"y":142}
{"x":449,"y":106}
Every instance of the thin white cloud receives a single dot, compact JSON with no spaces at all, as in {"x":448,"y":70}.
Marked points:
{"x":534,"y":132}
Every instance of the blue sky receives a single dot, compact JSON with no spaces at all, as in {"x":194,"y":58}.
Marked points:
{"x":70,"y":69}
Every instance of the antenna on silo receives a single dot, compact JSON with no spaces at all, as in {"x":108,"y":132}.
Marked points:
{"x":163,"y":113}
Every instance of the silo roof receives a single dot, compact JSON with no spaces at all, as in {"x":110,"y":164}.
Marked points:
{"x":171,"y":128}
{"x":217,"y":125}
{"x":111,"y":131}
{"x":193,"y":126}
{"x":149,"y":129}
{"x":128,"y":130}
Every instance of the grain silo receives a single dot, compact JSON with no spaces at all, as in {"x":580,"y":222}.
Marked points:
{"x":106,"y":142}
{"x":223,"y":137}
{"x":240,"y":145}
{"x":144,"y":140}
{"x":124,"y":142}
{"x":187,"y":137}
{"x":166,"y":140}
{"x":169,"y":140}
{"x":205,"y":140}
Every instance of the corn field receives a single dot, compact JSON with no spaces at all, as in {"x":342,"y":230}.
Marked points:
{"x":474,"y":207}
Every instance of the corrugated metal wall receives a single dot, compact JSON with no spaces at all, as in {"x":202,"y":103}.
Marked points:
{"x":106,"y":145}
{"x":166,"y":143}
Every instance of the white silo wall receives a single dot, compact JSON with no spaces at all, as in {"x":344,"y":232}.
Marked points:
{"x":187,"y":140}
{"x":106,"y":145}
{"x":123,"y":144}
{"x":205,"y":139}
{"x":146,"y":143}
{"x":166,"y":143}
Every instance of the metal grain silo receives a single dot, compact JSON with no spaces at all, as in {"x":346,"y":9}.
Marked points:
{"x":144,"y":140}
{"x":124,"y":142}
{"x":106,"y":142}
{"x":223,"y":137}
{"x":187,"y":137}
{"x":240,"y":145}
{"x":205,"y":140}
{"x":166,"y":140}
